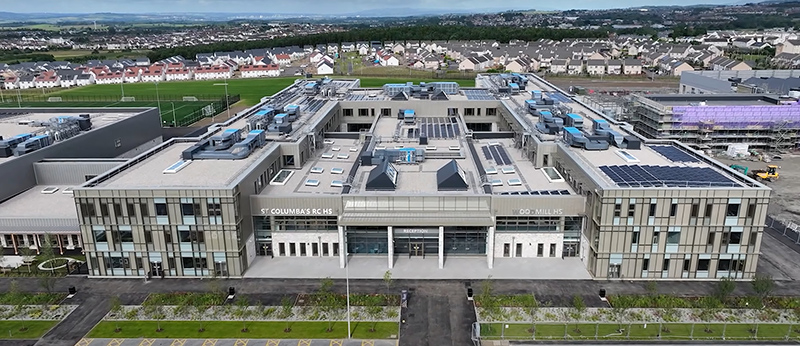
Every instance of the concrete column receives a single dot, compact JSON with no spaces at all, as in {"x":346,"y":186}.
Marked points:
{"x":390,"y":245}
{"x":490,"y":247}
{"x":342,"y":254}
{"x":441,"y":247}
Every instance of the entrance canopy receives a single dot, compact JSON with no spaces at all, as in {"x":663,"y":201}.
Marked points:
{"x":417,"y":219}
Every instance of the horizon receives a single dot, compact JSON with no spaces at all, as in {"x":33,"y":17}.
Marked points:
{"x":341,"y":7}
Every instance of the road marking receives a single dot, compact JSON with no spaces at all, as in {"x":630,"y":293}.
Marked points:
{"x":304,"y":342}
{"x":367,"y":342}
{"x":273,"y":342}
{"x":84,"y":342}
{"x":115,"y":342}
{"x":178,"y":342}
{"x":210,"y":342}
{"x":336,"y":342}
{"x":147,"y":342}
{"x":241,"y":342}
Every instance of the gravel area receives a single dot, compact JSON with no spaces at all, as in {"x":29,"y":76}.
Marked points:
{"x":606,"y":315}
{"x":250,"y":313}
{"x":36,"y":312}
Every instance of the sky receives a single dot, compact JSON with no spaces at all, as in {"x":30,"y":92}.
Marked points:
{"x":312,"y":6}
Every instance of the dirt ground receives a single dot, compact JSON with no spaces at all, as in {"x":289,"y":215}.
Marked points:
{"x":785,"y":202}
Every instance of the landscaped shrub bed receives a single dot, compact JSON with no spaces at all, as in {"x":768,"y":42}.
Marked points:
{"x":665,"y":301}
{"x":20,"y":298}
{"x":184,"y":299}
{"x":355,"y":299}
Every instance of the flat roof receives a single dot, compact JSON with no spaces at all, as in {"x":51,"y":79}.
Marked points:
{"x":198,"y":174}
{"x":35,"y":204}
{"x":13,"y":124}
{"x":336,"y":154}
{"x":714,"y":99}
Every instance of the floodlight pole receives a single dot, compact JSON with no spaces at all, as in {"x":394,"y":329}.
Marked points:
{"x":158,"y":100}
{"x":122,"y":88}
{"x":347,"y":281}
{"x":227,"y":102}
{"x":19,"y":99}
{"x":174,"y":118}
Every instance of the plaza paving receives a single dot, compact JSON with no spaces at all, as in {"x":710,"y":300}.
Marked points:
{"x":465,"y":268}
{"x":232,"y":342}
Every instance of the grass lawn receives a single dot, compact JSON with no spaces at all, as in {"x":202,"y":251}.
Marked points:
{"x":233,"y":330}
{"x":185,"y":112}
{"x":10,"y":329}
{"x":609,"y":331}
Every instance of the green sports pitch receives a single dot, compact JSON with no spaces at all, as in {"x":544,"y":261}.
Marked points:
{"x":185,"y":112}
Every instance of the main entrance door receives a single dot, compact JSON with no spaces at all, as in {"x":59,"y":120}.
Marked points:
{"x":417,"y":249}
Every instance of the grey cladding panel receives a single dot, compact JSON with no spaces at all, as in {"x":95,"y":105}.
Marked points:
{"x":70,"y":172}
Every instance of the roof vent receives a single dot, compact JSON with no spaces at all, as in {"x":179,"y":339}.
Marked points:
{"x":49,"y":190}
{"x":176,"y":167}
{"x":67,"y":191}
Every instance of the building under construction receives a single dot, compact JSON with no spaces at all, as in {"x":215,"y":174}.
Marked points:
{"x":714,"y":121}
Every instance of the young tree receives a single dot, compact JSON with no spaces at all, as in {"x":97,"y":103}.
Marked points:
{"x":28,"y":255}
{"x":619,"y":312}
{"x":374,"y":310}
{"x":329,"y":303}
{"x":48,"y":282}
{"x":763,"y":285}
{"x":725,"y":287}
{"x":15,"y":295}
{"x":531,"y":306}
{"x":652,"y":288}
{"x":387,"y":279}
{"x":47,"y":253}
{"x":242,"y":312}
{"x":116,"y":309}
{"x":578,"y":308}
{"x":198,"y":314}
{"x":287,"y":306}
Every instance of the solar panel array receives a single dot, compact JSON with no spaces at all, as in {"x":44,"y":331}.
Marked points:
{"x":311,"y":104}
{"x":670,"y":176}
{"x":537,"y":193}
{"x":559,"y":97}
{"x":674,"y":154}
{"x":497,"y":154}
{"x":479,"y":95}
{"x":436,"y":127}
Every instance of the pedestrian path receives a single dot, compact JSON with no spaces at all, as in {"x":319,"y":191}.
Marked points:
{"x":233,"y":342}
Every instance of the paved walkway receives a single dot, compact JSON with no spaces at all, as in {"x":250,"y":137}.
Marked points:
{"x":232,"y":342}
{"x":462,"y":268}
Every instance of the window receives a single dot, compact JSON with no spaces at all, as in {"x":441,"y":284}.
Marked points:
{"x":635,"y":238}
{"x":148,"y":237}
{"x":695,"y":209}
{"x":617,"y":209}
{"x":292,"y":251}
{"x":144,"y":209}
{"x":552,"y":250}
{"x":314,"y":249}
{"x":507,"y":250}
{"x":518,"y":253}
{"x":540,"y":250}
{"x":686,"y":264}
{"x":187,"y":209}
{"x":631,"y":209}
{"x":282,"y":249}
{"x":105,"y":209}
{"x":302,"y":247}
{"x":363,"y":112}
{"x":656,"y":235}
{"x":131,"y":209}
{"x":753,"y":238}
{"x":117,"y":209}
{"x":386,"y":112}
{"x":125,"y":235}
{"x":194,"y":262}
{"x":737,"y":265}
{"x":100,"y":235}
{"x":703,"y":264}
{"x":652,"y":209}
{"x":666,"y":265}
{"x":708,"y":209}
{"x":751,"y":210}
{"x":733,"y":209}
{"x":118,"y":262}
{"x":491,"y":111}
{"x":336,"y":249}
{"x":161,"y":209}
{"x":348,"y":112}
{"x":724,"y":265}
{"x":168,"y":237}
{"x":673,"y":237}
{"x":736,"y":238}
{"x":528,"y":224}
{"x":646,"y":264}
{"x":88,"y":209}
{"x":325,"y":249}
{"x":191,"y":236}
{"x":469,"y":111}
{"x":711,"y":238}
{"x":673,"y":209}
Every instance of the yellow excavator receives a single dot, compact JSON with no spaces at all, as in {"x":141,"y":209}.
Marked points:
{"x":769,"y":174}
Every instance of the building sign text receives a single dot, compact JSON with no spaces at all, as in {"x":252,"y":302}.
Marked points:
{"x":539,"y":212}
{"x":296,"y":211}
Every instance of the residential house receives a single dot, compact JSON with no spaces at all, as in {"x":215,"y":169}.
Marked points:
{"x":398,"y":48}
{"x":575,"y":67}
{"x":324,"y":67}
{"x":674,"y":67}
{"x":722,"y":63}
{"x":26,"y":82}
{"x":213,"y":72}
{"x":178,"y":74}
{"x":595,"y":67}
{"x":432,"y":62}
{"x":387,"y":59}
{"x":84,"y":79}
{"x":69,"y":78}
{"x":520,"y":65}
{"x":133,"y":75}
{"x":11,"y":82}
{"x":315,"y":57}
{"x":142,"y":61}
{"x":632,"y":67}
{"x":718,"y":42}
{"x":282,"y":59}
{"x":348,"y":47}
{"x":363,"y":48}
{"x":614,"y":67}
{"x":155,"y":73}
{"x":417,"y":64}
{"x":787,"y":60}
{"x":251,"y":71}
{"x":108,"y":77}
{"x":559,"y":66}
{"x":788,"y":46}
{"x":743,"y":42}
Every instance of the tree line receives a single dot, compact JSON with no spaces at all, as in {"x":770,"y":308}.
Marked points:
{"x":385,"y":34}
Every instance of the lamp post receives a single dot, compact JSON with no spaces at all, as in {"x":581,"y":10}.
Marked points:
{"x":19,"y":99}
{"x":122,"y":88}
{"x":227,"y":106}
{"x":347,"y":283}
{"x":174,"y":118}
